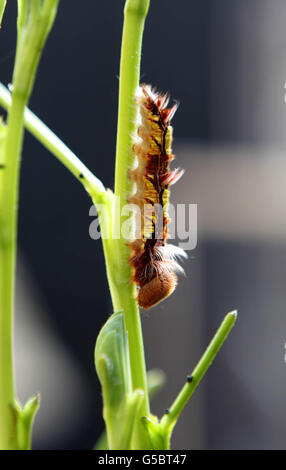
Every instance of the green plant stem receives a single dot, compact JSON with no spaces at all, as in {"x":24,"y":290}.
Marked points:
{"x":117,"y":253}
{"x":2,"y":9}
{"x":9,"y":202}
{"x":135,"y":12}
{"x":134,"y":18}
{"x":33,"y":26}
{"x":169,"y":420}
{"x":44,"y":135}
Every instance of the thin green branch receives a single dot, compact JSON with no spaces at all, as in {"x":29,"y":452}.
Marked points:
{"x":169,"y":420}
{"x":44,"y":135}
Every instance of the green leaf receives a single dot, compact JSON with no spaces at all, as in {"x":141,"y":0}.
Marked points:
{"x":156,"y":380}
{"x":128,"y":415}
{"x":112,"y":361}
{"x":113,"y":369}
{"x":157,"y":435}
{"x":23,"y":421}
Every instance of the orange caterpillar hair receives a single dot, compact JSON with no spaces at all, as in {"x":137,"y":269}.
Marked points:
{"x":153,"y":260}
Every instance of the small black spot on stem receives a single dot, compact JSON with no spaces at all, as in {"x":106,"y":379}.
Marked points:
{"x":2,"y":167}
{"x":167,"y":411}
{"x":81,"y":176}
{"x":189,"y":378}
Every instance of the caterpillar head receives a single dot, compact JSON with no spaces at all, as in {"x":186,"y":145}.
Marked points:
{"x":160,"y":287}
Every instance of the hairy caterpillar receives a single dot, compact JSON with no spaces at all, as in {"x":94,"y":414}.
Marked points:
{"x":153,"y":260}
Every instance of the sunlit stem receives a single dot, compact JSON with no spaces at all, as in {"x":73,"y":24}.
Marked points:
{"x":123,"y":291}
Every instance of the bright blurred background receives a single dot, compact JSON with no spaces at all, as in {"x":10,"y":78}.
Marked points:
{"x":226,"y":64}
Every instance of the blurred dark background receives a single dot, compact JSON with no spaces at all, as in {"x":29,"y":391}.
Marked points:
{"x":226,"y":64}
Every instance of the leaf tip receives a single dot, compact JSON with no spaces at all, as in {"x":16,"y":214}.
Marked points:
{"x":233,"y":314}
